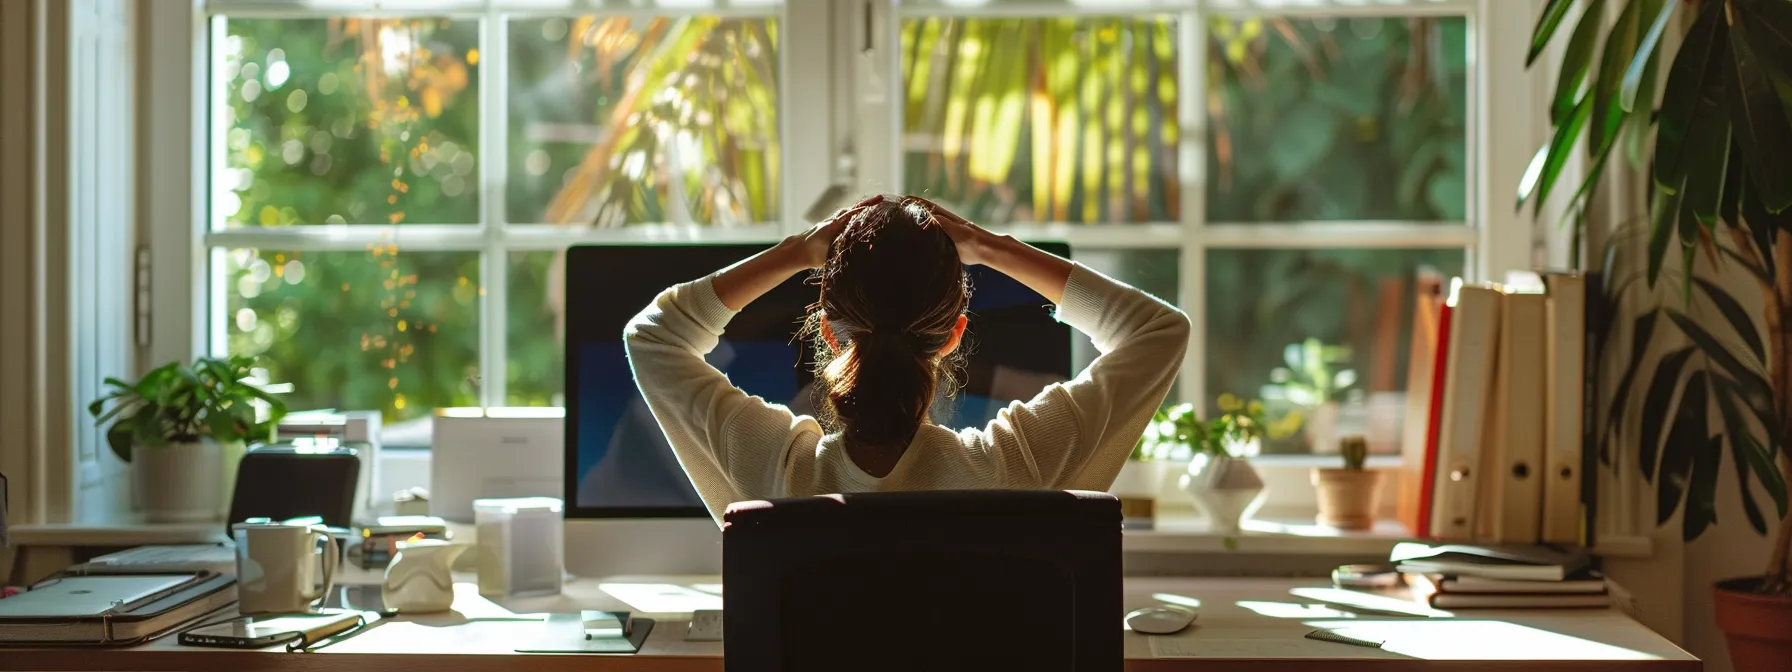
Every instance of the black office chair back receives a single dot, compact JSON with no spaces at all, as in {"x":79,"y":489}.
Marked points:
{"x":959,"y":580}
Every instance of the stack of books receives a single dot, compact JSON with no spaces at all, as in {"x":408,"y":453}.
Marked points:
{"x":1462,"y":576}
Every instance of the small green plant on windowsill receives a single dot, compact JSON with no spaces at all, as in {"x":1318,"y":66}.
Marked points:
{"x":1178,"y":432}
{"x":181,"y":428}
{"x":176,"y":404}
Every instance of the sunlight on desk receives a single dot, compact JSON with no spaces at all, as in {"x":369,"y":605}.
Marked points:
{"x":1477,"y":640}
{"x":662,"y":597}
{"x":1293,"y":610}
{"x":1178,"y":600}
{"x":1352,"y":599}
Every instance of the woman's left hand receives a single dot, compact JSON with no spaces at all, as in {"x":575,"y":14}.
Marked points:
{"x":814,"y":243}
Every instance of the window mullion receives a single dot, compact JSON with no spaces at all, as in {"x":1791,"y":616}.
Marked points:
{"x":1191,"y":114}
{"x":494,"y":260}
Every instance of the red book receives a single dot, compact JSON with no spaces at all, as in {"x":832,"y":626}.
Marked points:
{"x":1440,"y":375}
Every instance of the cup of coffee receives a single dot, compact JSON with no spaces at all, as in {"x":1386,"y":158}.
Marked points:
{"x":282,"y":568}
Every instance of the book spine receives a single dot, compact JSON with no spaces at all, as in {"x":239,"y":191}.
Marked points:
{"x":1433,"y":422}
{"x":1596,"y":312}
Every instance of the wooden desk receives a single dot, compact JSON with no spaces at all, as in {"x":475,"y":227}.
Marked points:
{"x":1245,"y":624}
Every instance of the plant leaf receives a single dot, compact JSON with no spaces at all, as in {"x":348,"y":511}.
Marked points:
{"x":1528,"y":181}
{"x":1552,"y":16}
{"x":1560,"y":146}
{"x":1707,"y":161}
{"x":1763,"y":128}
{"x":1577,"y":60}
{"x":1685,"y":438}
{"x":1751,"y":383}
{"x":1701,"y":489}
{"x":1642,"y":331}
{"x":1640,"y":127}
{"x":1748,"y":451}
{"x":1664,"y":216}
{"x":1749,"y":507}
{"x":1697,"y":62}
{"x":119,"y":438}
{"x":1620,"y":50}
{"x":1656,"y":411}
{"x":1645,"y":57}
{"x":1737,"y":315}
{"x":1770,"y":34}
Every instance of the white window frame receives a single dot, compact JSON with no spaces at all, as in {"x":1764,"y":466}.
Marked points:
{"x":828,"y":134}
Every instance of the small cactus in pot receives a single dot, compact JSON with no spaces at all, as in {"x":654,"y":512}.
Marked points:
{"x":1348,"y":495}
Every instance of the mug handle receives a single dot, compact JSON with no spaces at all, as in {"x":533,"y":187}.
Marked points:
{"x":329,"y":560}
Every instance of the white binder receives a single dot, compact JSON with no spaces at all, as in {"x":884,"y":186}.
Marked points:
{"x":1474,"y":323}
{"x":1565,"y":341}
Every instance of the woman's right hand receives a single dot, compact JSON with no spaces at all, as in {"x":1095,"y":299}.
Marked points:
{"x":972,"y":240}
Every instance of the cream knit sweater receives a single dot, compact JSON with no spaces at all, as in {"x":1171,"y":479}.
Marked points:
{"x":1072,"y":435}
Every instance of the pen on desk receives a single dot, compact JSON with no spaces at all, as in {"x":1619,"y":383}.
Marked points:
{"x":327,"y":634}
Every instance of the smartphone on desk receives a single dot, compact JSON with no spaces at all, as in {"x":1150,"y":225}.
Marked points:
{"x":258,"y":632}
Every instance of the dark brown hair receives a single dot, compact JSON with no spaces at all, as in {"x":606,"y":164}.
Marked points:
{"x":892,"y":291}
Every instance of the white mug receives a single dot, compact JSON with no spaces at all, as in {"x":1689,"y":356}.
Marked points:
{"x":277,"y":567}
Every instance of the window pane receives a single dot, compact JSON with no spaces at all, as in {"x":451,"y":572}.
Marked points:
{"x":1334,"y":119}
{"x":536,"y":366}
{"x":357,"y":121}
{"x":1042,"y":120}
{"x":380,"y":330}
{"x":629,"y":120}
{"x":1158,"y":272}
{"x":1261,"y":301}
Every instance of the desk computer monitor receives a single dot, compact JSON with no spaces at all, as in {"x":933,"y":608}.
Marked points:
{"x":630,"y":508}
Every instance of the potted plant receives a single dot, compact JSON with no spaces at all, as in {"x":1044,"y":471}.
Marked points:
{"x":1718,"y":150}
{"x":1222,"y":482}
{"x":1312,"y":381}
{"x":1348,"y":494}
{"x":175,"y":425}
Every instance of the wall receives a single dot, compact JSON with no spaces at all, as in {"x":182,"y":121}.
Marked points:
{"x":66,"y":151}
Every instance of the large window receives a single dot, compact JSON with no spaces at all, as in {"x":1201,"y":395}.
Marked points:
{"x":390,"y":193}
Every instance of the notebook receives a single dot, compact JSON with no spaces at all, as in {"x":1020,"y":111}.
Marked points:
{"x":111,"y":610}
{"x":1513,"y":563}
{"x":1592,"y":583}
{"x":1518,"y":601}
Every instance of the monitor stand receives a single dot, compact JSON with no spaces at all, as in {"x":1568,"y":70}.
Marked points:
{"x":643,"y":546}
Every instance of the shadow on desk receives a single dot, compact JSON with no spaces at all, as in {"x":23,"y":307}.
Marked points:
{"x":1245,"y":624}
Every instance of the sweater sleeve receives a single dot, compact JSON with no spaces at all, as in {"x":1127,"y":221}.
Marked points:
{"x":1077,"y":435}
{"x":731,"y":444}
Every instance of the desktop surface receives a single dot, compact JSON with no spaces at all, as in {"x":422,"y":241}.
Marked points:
{"x":1244,"y":624}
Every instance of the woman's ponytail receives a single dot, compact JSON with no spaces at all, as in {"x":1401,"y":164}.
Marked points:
{"x":880,"y":387}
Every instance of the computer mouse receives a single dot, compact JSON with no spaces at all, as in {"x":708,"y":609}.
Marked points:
{"x":1160,"y":620}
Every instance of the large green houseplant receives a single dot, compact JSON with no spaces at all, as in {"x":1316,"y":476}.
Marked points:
{"x":177,"y":424}
{"x":1718,"y":150}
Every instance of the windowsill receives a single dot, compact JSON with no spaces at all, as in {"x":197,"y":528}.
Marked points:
{"x":1185,"y":532}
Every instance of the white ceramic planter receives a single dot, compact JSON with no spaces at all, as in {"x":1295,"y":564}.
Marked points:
{"x":178,"y":482}
{"x":419,"y":580}
{"x":1227,"y":489}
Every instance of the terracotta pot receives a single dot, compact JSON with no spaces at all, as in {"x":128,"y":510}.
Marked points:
{"x":1757,"y":627}
{"x":1347,"y":497}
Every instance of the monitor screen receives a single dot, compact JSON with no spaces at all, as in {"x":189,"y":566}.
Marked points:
{"x":618,"y":464}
